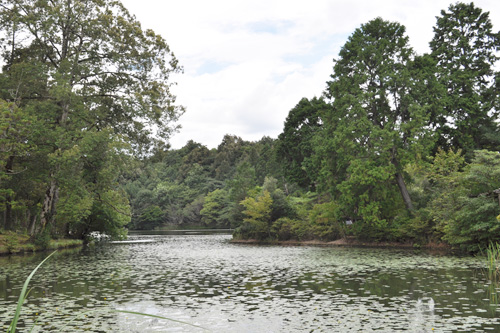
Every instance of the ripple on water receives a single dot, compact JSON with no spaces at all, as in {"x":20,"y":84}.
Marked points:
{"x":206,"y":281}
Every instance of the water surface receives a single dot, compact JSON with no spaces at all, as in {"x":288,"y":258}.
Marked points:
{"x":204,"y":280}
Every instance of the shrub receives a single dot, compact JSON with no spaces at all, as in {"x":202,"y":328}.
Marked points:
{"x":42,"y":240}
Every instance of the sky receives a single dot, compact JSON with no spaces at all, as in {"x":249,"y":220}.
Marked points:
{"x":247,"y":63}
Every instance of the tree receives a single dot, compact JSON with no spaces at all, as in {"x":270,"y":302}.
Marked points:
{"x":151,"y":218}
{"x":280,"y":207}
{"x":264,"y":159}
{"x":475,"y":224}
{"x":194,"y":154}
{"x":85,"y":67}
{"x":173,"y":198}
{"x":258,"y":214}
{"x":295,"y":143}
{"x":215,"y":212}
{"x":376,"y":123}
{"x":14,"y":134}
{"x":229,"y":154}
{"x":88,"y":188}
{"x":465,"y":49}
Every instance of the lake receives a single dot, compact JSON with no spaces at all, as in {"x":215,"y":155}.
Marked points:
{"x":203,"y":280}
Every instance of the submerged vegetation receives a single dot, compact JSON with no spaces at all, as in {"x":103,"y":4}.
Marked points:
{"x":400,"y":147}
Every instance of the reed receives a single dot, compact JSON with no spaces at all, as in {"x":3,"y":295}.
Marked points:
{"x":24,"y":294}
{"x":493,"y":257}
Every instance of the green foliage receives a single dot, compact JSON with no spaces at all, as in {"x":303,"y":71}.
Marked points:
{"x":191,"y":213}
{"x":327,"y":222}
{"x":42,"y":240}
{"x":88,"y":197}
{"x":475,"y":222}
{"x":295,"y":143}
{"x":465,"y":50}
{"x":460,"y":205}
{"x":11,"y":241}
{"x":15,"y":128}
{"x":109,"y":215}
{"x":280,"y":206}
{"x":444,"y":179}
{"x":375,"y":128}
{"x":242,"y":182}
{"x":291,"y":229}
{"x":83,"y":130}
{"x":375,"y":147}
{"x":258,"y":215}
{"x":230,"y":154}
{"x":151,"y":218}
{"x":215,"y":209}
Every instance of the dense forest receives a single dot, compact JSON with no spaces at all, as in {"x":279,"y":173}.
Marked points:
{"x":399,"y":146}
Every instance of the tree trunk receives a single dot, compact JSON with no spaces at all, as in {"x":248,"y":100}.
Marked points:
{"x":31,"y":228}
{"x":401,"y":182}
{"x":49,"y":204}
{"x":7,"y":214}
{"x":404,"y":191}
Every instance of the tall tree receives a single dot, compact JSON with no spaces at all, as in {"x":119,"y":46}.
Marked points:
{"x":376,"y":122}
{"x":295,"y":143}
{"x":465,"y":49}
{"x":84,"y":67}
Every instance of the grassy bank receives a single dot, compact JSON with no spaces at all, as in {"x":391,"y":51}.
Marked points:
{"x":11,"y":242}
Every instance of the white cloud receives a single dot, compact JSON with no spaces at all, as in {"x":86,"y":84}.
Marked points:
{"x":247,"y":63}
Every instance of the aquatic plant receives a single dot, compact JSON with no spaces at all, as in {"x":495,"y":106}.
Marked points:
{"x":23,"y":295}
{"x":493,"y":257}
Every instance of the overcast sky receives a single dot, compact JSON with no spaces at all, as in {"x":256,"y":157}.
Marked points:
{"x":248,"y":62}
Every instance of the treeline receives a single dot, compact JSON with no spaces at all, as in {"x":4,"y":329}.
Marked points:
{"x":399,"y":147}
{"x":198,"y":186}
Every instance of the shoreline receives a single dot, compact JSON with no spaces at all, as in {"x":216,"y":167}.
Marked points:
{"x":347,"y":242}
{"x":27,"y":248}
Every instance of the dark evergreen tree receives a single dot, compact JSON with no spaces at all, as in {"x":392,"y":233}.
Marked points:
{"x":465,"y":49}
{"x":376,"y":123}
{"x":295,"y":143}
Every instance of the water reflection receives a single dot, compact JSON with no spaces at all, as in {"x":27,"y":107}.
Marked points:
{"x":206,"y":281}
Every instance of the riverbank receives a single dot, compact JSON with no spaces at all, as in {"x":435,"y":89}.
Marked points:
{"x":12,"y":243}
{"x":346,"y":242}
